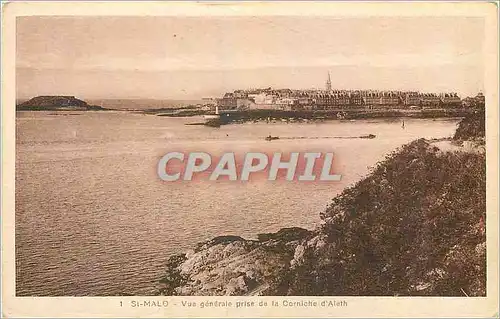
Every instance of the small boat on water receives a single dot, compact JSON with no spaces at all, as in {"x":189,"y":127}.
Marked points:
{"x":368,"y":136}
{"x":270,"y":138}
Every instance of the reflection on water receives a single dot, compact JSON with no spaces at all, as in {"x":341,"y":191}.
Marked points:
{"x":92,"y":217}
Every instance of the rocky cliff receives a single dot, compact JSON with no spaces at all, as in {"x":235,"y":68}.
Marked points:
{"x":231,"y":265}
{"x":414,"y":226}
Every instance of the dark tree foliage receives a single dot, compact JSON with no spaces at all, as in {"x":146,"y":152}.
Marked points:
{"x":472,"y":126}
{"x":413,"y":227}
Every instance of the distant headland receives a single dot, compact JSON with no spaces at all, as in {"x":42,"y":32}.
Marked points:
{"x":56,"y":102}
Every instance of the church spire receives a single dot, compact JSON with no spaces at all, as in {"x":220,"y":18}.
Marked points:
{"x":328,"y":83}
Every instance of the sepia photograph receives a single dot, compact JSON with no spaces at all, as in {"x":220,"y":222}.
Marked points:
{"x":252,"y":155}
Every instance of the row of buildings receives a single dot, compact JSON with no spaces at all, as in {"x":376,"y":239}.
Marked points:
{"x":305,"y":99}
{"x":288,"y":99}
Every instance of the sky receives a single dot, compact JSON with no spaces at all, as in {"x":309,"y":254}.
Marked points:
{"x":194,"y":57}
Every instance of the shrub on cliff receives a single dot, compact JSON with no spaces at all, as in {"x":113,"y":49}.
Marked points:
{"x":415,"y":226}
{"x":285,"y":234}
{"x":471,"y":127}
{"x":173,"y":278}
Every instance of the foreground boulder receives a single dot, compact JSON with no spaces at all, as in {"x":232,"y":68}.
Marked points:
{"x":231,"y":265}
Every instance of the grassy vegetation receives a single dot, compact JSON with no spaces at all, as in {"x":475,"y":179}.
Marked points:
{"x":319,"y":115}
{"x":261,"y":115}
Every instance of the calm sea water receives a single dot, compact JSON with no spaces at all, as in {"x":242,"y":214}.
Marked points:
{"x":92,"y":217}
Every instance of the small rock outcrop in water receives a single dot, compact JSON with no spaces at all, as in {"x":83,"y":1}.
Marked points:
{"x":414,"y":226}
{"x":56,"y":102}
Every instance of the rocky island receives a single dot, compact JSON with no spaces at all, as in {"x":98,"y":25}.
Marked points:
{"x":414,"y":227}
{"x":56,"y":102}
